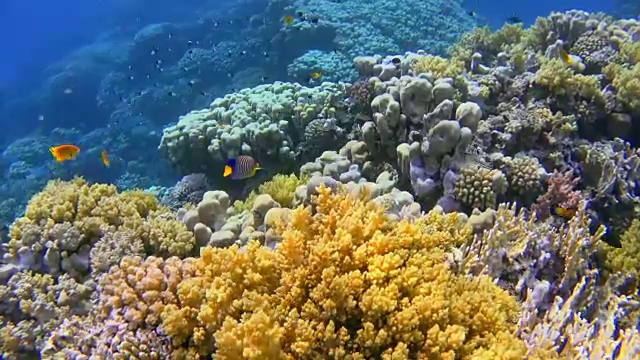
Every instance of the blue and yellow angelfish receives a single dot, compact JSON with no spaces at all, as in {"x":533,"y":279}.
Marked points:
{"x":241,"y":167}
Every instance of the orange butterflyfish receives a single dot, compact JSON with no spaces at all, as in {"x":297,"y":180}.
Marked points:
{"x":103,"y":157}
{"x":563,"y":212}
{"x":241,"y":167}
{"x":64,"y":152}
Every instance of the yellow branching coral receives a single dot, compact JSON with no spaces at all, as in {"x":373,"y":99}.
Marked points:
{"x":482,"y":40}
{"x":438,"y":66}
{"x":560,"y":80}
{"x":281,"y":189}
{"x":344,"y":283}
{"x":626,"y":82}
{"x":73,"y":214}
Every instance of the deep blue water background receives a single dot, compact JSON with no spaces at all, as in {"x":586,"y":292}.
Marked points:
{"x":38,"y":32}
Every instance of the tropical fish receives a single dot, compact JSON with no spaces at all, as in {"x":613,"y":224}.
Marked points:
{"x":103,"y":157}
{"x":315,"y":75}
{"x":563,"y":212}
{"x":241,"y":167}
{"x":288,"y":20}
{"x":514,"y":19}
{"x":64,"y":152}
{"x":566,"y":58}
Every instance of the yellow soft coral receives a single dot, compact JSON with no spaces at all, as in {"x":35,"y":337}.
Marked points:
{"x":96,"y":209}
{"x":344,"y":282}
{"x":560,"y":80}
{"x":438,"y":66}
{"x":626,"y":82}
{"x":281,"y":189}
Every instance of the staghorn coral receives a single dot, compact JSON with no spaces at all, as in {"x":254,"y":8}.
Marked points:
{"x":343,"y":282}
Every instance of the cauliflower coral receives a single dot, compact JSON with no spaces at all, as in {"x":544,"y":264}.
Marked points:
{"x":343,"y":283}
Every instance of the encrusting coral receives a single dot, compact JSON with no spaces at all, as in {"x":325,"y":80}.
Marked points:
{"x":344,"y":282}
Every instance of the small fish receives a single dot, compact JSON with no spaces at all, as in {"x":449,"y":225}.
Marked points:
{"x":241,"y":167}
{"x":190,"y":52}
{"x":171,"y":93}
{"x":41,"y":118}
{"x":64,"y":152}
{"x":566,"y":58}
{"x":155,"y":50}
{"x":158,"y":62}
{"x":610,"y":236}
{"x":472,"y":13}
{"x":103,"y":157}
{"x":189,"y":43}
{"x":315,"y":75}
{"x":514,"y":19}
{"x":68,"y":91}
{"x":131,"y":77}
{"x":263,"y":79}
{"x":563,"y":212}
{"x":301,"y":15}
{"x":288,"y":20}
{"x":396,"y":60}
{"x":191,"y":82}
{"x":243,"y":52}
{"x":265,"y":54}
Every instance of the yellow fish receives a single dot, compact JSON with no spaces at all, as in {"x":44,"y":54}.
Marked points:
{"x":315,"y":75}
{"x":566,"y":58}
{"x":103,"y":157}
{"x":241,"y":167}
{"x":563,"y":212}
{"x":64,"y":152}
{"x":288,"y":20}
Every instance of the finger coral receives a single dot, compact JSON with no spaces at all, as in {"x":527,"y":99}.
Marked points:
{"x":343,"y":282}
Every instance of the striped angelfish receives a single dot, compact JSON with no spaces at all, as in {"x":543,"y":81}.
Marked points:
{"x":241,"y":167}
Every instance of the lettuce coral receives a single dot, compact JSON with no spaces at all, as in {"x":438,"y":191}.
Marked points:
{"x":344,"y":282}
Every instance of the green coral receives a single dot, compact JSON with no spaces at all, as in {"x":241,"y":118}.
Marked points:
{"x":487,"y":43}
{"x":560,"y":80}
{"x":626,"y":82}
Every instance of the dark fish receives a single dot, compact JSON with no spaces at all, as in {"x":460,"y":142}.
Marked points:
{"x":396,"y":60}
{"x":514,"y":19}
{"x":171,"y":93}
{"x":610,"y":236}
{"x":189,"y":43}
{"x":472,"y":13}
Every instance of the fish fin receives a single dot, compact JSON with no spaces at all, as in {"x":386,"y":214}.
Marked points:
{"x":231,"y":163}
{"x":228,"y":170}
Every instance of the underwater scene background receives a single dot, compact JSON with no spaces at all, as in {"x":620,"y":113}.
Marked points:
{"x":326,"y":179}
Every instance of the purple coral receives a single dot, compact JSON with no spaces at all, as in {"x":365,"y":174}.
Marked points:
{"x":188,"y":190}
{"x":561,"y":190}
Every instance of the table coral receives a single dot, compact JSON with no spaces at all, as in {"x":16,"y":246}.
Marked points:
{"x":343,"y":281}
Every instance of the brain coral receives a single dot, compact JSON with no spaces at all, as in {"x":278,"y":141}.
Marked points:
{"x":343,"y":283}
